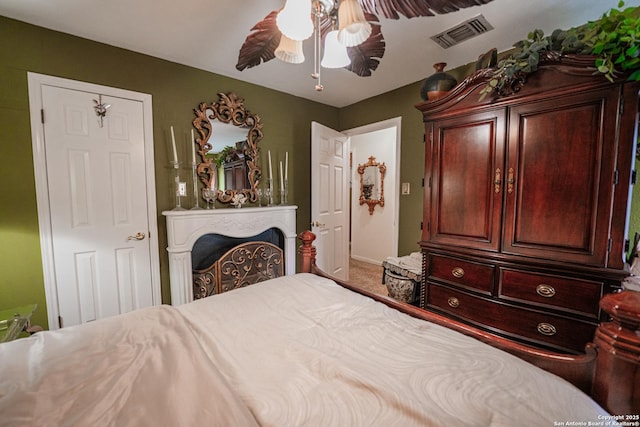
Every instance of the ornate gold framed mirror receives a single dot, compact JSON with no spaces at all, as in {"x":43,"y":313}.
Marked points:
{"x":372,"y":183}
{"x":238,"y":156}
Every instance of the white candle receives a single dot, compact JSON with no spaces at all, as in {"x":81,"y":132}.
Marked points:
{"x":173,"y":143}
{"x":286,"y":166}
{"x":270,"y":170}
{"x":281,"y":178}
{"x":193,"y":147}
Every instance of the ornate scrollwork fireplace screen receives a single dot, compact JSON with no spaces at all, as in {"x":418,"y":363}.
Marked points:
{"x":229,"y":109}
{"x":244,"y":265}
{"x":372,"y":183}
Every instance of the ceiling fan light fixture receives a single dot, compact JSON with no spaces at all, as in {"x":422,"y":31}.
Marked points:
{"x":353,"y":27}
{"x":289,"y":50}
{"x":335,"y":53}
{"x":294,"y":20}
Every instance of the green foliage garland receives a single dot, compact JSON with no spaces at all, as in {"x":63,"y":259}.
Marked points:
{"x":614,"y":39}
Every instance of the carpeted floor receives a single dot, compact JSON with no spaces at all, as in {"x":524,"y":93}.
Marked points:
{"x":367,"y":276}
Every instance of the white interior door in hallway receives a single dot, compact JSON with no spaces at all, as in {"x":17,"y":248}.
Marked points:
{"x":330,"y":199}
{"x":98,"y":214}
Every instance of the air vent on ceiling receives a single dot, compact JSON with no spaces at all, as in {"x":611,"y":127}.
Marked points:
{"x":464,"y":31}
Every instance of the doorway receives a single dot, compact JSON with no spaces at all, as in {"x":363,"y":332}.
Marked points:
{"x":374,"y":234}
{"x":95,"y":191}
{"x":380,"y":139}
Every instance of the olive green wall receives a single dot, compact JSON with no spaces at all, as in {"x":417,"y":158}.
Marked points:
{"x":401,"y":103}
{"x":176,"y":91}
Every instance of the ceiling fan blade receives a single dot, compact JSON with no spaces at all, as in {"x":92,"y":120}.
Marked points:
{"x":365,"y":57}
{"x":261,"y":44}
{"x":392,"y":9}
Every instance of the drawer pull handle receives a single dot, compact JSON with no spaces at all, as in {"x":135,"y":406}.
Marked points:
{"x":453,"y":302}
{"x":497,"y":180}
{"x":546,"y":329}
{"x":546,"y":291}
{"x":457,"y":272}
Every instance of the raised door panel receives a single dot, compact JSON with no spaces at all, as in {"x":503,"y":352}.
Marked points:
{"x":467,"y":180}
{"x":561,"y":160}
{"x":239,"y":177}
{"x":98,"y":202}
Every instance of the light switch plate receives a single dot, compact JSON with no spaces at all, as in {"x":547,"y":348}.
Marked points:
{"x":182,"y":189}
{"x":406,"y":188}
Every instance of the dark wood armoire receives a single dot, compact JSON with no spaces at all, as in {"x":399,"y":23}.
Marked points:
{"x":236,"y":175}
{"x":526,"y":202}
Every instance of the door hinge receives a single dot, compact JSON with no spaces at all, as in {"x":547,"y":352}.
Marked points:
{"x":615,"y":177}
{"x":634,"y":176}
{"x":627,"y":243}
{"x":421,"y":224}
{"x":609,"y":245}
{"x":42,"y":115}
{"x":60,"y":322}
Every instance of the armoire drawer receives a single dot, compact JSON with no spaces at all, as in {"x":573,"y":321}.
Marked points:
{"x":461,"y":272}
{"x":557,"y":331}
{"x":568,"y":294}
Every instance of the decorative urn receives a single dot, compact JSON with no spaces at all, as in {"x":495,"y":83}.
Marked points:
{"x":438,"y":84}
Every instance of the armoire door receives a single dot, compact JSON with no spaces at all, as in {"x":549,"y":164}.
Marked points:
{"x":467,"y":177}
{"x":561,"y":165}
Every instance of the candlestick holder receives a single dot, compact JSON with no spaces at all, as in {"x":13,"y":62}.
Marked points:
{"x":210,"y":194}
{"x":284,"y":192}
{"x":269,"y":192}
{"x":180,"y":187}
{"x":194,"y":177}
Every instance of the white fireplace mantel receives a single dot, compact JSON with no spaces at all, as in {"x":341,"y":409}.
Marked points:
{"x":187,"y":226}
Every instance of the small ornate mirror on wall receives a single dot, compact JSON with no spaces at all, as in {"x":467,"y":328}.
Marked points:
{"x":372,"y":183}
{"x":228,"y":136}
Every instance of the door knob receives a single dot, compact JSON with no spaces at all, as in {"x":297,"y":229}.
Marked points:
{"x":138,"y":236}
{"x":317,"y":224}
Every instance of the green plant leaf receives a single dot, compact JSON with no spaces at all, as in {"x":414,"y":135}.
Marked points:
{"x":635,"y":75}
{"x":614,"y":39}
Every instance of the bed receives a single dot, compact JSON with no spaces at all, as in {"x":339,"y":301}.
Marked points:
{"x":304,"y":350}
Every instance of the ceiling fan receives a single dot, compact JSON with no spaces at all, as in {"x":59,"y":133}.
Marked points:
{"x":267,"y":40}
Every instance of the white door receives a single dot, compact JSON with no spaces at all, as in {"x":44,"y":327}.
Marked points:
{"x":330,"y":199}
{"x":97,"y":187}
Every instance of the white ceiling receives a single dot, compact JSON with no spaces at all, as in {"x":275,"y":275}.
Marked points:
{"x":208,"y":34}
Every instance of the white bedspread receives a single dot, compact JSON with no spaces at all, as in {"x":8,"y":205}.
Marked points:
{"x":139,"y":369}
{"x":302,"y":351}
{"x":293,"y":351}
